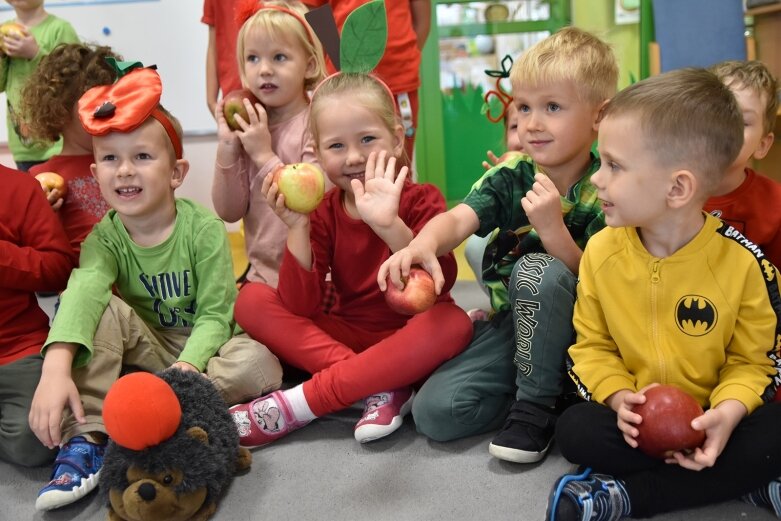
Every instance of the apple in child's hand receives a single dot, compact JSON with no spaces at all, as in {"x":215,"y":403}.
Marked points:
{"x":417,"y":296}
{"x":51,"y":181}
{"x":234,"y":105}
{"x":11,"y":30}
{"x":302,"y":184}
{"x":667,"y":416}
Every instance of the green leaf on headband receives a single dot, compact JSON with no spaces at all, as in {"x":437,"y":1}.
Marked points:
{"x":121,"y":68}
{"x":364,"y":35}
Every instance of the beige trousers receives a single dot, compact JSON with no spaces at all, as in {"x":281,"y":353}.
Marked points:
{"x":241,"y":370}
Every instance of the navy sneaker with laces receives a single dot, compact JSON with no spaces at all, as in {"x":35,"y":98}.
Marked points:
{"x":768,"y":497}
{"x":588,"y":497}
{"x":75,"y":474}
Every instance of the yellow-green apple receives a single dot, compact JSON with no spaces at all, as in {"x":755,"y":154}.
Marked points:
{"x":302,"y":184}
{"x":51,"y":181}
{"x":234,"y":105}
{"x":667,"y":416}
{"x":417,"y":296}
{"x":12,"y":30}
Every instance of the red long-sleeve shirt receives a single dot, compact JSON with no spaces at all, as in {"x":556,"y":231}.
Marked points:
{"x":353,"y":253}
{"x":34,"y":256}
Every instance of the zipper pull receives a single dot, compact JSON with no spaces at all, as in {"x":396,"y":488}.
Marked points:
{"x":655,"y":277}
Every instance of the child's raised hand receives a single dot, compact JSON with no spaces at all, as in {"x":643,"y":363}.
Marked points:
{"x":254,"y":134}
{"x":493,"y":160}
{"x":377,"y":199}
{"x":542,"y":205}
{"x":276,"y":201}
{"x":718,"y":424}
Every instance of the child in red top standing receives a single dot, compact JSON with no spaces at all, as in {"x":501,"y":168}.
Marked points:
{"x":745,"y":199}
{"x":68,"y":72}
{"x":361,"y":349}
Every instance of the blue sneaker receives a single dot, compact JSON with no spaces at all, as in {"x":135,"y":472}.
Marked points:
{"x":75,"y":474}
{"x":581,"y":497}
{"x":768,"y":496}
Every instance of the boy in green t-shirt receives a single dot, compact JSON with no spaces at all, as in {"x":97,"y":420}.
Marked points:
{"x":545,"y":208}
{"x":170,"y":264}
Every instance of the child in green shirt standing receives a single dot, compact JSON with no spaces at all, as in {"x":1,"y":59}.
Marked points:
{"x":170,"y":264}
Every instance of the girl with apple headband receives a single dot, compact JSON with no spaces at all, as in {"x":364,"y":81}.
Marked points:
{"x":49,"y":103}
{"x":363,"y":349}
{"x":265,"y":124}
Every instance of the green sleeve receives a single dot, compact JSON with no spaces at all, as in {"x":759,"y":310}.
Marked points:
{"x":216,"y":294}
{"x":82,"y":304}
{"x":4,"y":62}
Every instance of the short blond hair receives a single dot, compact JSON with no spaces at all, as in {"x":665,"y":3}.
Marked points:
{"x":570,"y":54}
{"x":752,"y":75}
{"x":688,"y":117}
{"x":281,"y":24}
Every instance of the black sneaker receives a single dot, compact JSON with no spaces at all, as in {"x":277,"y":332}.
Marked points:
{"x":584,"y":497}
{"x":768,"y":497}
{"x":526,"y":434}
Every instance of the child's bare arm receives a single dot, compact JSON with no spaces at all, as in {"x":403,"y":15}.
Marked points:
{"x":439,"y":236}
{"x":55,"y":390}
{"x":212,"y":83}
{"x":421,"y":19}
{"x":542,"y":205}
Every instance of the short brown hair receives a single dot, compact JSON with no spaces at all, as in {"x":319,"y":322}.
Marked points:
{"x":57,"y":83}
{"x":688,"y":117}
{"x":570,"y":54}
{"x":752,"y":75}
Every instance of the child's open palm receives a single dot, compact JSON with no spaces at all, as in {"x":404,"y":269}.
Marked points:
{"x":377,"y":200}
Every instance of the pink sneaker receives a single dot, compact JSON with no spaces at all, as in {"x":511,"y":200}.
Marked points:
{"x":383,"y":414}
{"x":264,"y":419}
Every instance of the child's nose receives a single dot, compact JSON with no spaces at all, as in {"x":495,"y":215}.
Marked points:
{"x":533,"y":122}
{"x":355,"y":157}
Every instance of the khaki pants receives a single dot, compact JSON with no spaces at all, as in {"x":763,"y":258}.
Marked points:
{"x":241,"y":370}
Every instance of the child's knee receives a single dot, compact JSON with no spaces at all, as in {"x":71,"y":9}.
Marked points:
{"x":253,"y":297}
{"x":433,"y":416}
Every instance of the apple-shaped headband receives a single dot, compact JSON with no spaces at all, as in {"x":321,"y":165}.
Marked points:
{"x":125,"y":105}
{"x":140,"y":411}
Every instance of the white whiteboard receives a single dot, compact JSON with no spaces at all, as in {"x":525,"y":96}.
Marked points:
{"x":168,"y":33}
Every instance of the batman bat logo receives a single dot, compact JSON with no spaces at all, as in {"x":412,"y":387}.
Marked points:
{"x":695,"y":315}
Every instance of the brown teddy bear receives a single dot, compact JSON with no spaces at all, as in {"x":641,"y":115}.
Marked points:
{"x":173,"y":447}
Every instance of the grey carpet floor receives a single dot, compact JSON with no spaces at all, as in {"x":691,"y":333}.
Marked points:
{"x":322,"y":473}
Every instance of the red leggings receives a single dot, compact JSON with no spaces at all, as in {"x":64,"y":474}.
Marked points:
{"x":348,"y":362}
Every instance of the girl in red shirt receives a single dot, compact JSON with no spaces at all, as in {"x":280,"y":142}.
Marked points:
{"x":361,"y":349}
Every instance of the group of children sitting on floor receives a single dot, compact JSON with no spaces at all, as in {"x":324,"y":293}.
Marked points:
{"x":591,"y":261}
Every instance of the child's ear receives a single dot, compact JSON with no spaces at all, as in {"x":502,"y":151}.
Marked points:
{"x":684,"y":187}
{"x":398,"y":140}
{"x":764,"y":146}
{"x":93,"y":168}
{"x":599,"y":113}
{"x":181,"y":167}
{"x":311,"y":68}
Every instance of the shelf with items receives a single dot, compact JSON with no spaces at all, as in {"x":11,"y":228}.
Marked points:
{"x":468,"y":38}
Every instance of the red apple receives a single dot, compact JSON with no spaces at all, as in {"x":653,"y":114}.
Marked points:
{"x":666,"y":427}
{"x":302,"y":184}
{"x":234,"y":105}
{"x":417,"y":296}
{"x":51,"y":181}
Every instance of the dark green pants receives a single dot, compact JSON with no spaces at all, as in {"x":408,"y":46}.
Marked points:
{"x":18,"y":444}
{"x":519,"y":354}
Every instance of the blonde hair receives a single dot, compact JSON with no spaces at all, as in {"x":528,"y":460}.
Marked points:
{"x":688,"y":117}
{"x":279,"y":24}
{"x":363,"y":89}
{"x":755,"y":76}
{"x":570,"y":54}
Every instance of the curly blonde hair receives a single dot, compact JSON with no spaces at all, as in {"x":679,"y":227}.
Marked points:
{"x":54,"y":88}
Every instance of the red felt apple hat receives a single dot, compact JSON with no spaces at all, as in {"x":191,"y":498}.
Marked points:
{"x":140,"y":411}
{"x":127,"y":104}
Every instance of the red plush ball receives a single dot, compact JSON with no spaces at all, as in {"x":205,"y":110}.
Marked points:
{"x":140,"y":411}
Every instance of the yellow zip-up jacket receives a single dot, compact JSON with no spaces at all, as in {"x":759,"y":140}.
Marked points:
{"x":706,"y":319}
